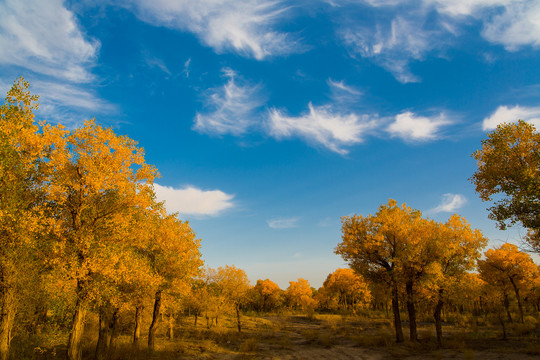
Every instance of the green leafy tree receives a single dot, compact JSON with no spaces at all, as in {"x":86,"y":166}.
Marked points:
{"x":509,"y":170}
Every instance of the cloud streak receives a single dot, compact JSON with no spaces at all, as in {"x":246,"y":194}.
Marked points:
{"x":450,"y":203}
{"x":190,"y":200}
{"x":44,"y":37}
{"x":242,"y":26}
{"x":322,"y":126}
{"x":232,"y":107}
{"x":283,"y":223}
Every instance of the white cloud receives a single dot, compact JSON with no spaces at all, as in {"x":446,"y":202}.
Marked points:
{"x":44,"y":37}
{"x":322,"y":126}
{"x":512,"y":23}
{"x":283,"y":223}
{"x":393,"y":46}
{"x":505,"y":114}
{"x":517,"y":26}
{"x":69,"y":104}
{"x":190,"y":200}
{"x":416,"y":32}
{"x":243,"y":26}
{"x":411,"y":127}
{"x":341,"y":86}
{"x":465,"y":7}
{"x":450,"y":203}
{"x":233,"y":107}
{"x":44,"y":40}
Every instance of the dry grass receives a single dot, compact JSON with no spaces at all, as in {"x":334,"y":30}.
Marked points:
{"x":289,"y":336}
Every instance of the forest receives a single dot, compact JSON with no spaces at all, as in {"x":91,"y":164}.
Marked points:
{"x":92,"y":266}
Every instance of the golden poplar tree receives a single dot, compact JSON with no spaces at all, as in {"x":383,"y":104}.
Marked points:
{"x":22,"y":153}
{"x":377,"y":246}
{"x":508,"y":267}
{"x":95,"y":179}
{"x":268,"y":294}
{"x":458,"y":248}
{"x":349,"y":289}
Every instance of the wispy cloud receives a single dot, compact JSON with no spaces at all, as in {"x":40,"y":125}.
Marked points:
{"x":157,"y":63}
{"x":190,"y":200}
{"x":450,"y":203}
{"x":411,"y":127}
{"x":392,"y":45}
{"x":343,"y":94}
{"x":283,"y":223}
{"x":322,"y":126}
{"x":243,"y":26}
{"x":43,"y":40}
{"x":69,"y":104}
{"x":232,"y":108}
{"x":429,"y":26}
{"x":507,"y":22}
{"x":505,"y":114}
{"x":44,"y":37}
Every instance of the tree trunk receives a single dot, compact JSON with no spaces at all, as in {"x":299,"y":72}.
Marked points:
{"x":520,"y":306}
{"x":196,"y":317}
{"x":74,"y":348}
{"x":170,"y":329}
{"x":395,"y":310}
{"x":113,"y":326}
{"x":506,"y":304}
{"x":155,"y":318}
{"x":7,"y":317}
{"x":238,"y":318}
{"x":104,"y":335}
{"x":137,"y":331}
{"x":413,"y":334}
{"x":437,"y":315}
{"x":501,"y":320}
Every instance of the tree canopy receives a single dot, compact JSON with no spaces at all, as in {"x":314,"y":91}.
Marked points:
{"x":509,"y":173}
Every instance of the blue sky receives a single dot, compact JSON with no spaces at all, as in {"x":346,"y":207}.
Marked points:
{"x":271,"y":119}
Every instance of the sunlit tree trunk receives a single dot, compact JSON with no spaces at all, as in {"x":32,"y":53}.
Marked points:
{"x":395,"y":310}
{"x":74,"y":349}
{"x":7,"y":317}
{"x":137,"y":331}
{"x":170,"y":323}
{"x":409,"y":288}
{"x":155,"y":319}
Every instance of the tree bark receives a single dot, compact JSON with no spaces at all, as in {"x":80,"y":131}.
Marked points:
{"x":409,"y":288}
{"x":155,"y":319}
{"x":395,"y":310}
{"x":506,"y":304}
{"x":104,"y":335}
{"x":520,"y":306}
{"x":137,"y":331}
{"x":170,"y":323}
{"x":74,"y":348}
{"x":238,"y":318}
{"x":501,"y":320}
{"x":7,"y":317}
{"x":437,"y":315}
{"x":113,"y":326}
